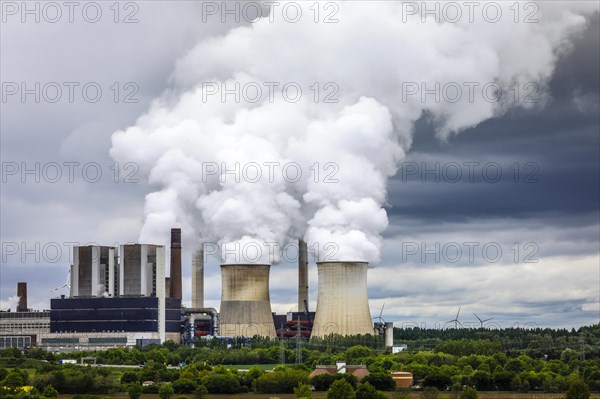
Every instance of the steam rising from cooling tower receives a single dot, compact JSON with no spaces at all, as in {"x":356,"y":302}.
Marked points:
{"x":245,"y":302}
{"x":357,"y":141}
{"x":342,"y":302}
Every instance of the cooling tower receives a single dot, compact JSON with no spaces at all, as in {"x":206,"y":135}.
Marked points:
{"x":175,"y":264}
{"x":198,"y":279}
{"x":22,"y":294}
{"x":302,"y":275}
{"x":245,"y":302}
{"x":342,"y":303}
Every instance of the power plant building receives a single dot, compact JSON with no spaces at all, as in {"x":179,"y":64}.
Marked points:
{"x":119,"y":300}
{"x":139,"y":269}
{"x":93,"y":272}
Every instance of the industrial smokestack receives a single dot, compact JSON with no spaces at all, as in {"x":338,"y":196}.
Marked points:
{"x":175,"y":264}
{"x":302,"y":275}
{"x":389,"y":334}
{"x":198,"y":279}
{"x":245,"y":301}
{"x":167,"y":287}
{"x":22,"y":294}
{"x":342,"y":303}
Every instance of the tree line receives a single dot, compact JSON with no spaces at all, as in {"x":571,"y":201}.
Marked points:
{"x":453,"y":364}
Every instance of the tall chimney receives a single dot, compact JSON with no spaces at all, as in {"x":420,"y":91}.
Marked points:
{"x":245,"y":302}
{"x":175,"y":264}
{"x":389,"y":334}
{"x":302,"y":275}
{"x":342,"y":303}
{"x":22,"y":294}
{"x":198,"y":278}
{"x":167,"y":287}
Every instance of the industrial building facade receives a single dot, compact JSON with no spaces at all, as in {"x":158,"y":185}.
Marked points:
{"x":117,"y":297}
{"x":113,"y":315}
{"x":21,"y":329}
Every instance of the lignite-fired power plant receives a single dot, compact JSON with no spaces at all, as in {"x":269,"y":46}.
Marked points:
{"x":120,"y":295}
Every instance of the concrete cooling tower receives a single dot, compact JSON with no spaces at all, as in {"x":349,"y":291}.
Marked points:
{"x":342,"y":303}
{"x":245,"y":302}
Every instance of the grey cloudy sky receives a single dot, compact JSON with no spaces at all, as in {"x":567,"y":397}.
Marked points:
{"x":522,"y":247}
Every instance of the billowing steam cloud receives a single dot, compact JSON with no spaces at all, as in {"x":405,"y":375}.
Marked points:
{"x":11,"y":303}
{"x":378,"y":60}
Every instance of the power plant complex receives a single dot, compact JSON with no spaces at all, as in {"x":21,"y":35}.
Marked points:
{"x":120,"y":296}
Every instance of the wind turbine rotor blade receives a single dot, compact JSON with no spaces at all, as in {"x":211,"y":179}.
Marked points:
{"x":58,"y":288}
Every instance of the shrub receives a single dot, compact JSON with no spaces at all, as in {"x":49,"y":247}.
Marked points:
{"x":469,"y":393}
{"x":351,"y":379}
{"x":135,"y":390}
{"x":222,"y":383}
{"x":50,"y":392}
{"x":165,"y":391}
{"x":302,"y":391}
{"x":322,"y":382}
{"x":15,"y":378}
{"x":184,"y":385}
{"x":341,"y":389}
{"x":201,"y":392}
{"x":380,"y":381}
{"x":368,"y":391}
{"x":281,"y":381}
{"x":577,"y":390}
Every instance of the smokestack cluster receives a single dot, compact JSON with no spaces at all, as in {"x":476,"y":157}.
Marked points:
{"x":22,"y":294}
{"x":175,"y":278}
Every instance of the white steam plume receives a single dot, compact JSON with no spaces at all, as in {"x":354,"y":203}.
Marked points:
{"x":11,"y":303}
{"x":375,"y":55}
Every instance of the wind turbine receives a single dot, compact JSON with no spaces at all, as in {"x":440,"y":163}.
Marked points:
{"x":482,"y":321}
{"x":66,"y":284}
{"x":455,"y":320}
{"x":380,"y":324}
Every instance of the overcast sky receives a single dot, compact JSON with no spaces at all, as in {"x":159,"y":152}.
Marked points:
{"x":501,"y":219}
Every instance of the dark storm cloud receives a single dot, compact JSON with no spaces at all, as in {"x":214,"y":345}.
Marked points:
{"x":555,"y":146}
{"x":579,"y":70}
